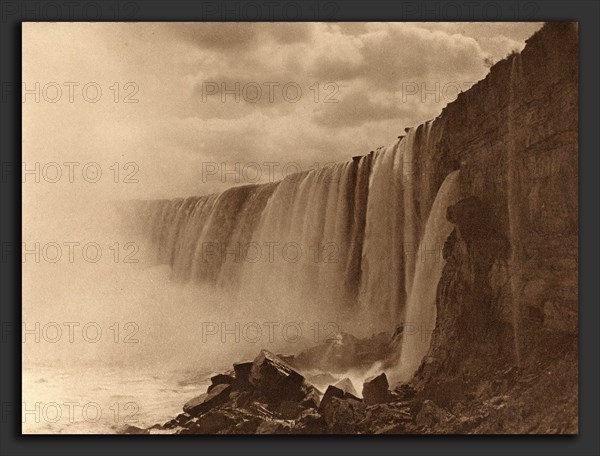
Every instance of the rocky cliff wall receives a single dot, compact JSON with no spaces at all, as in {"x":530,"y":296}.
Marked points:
{"x":514,"y":137}
{"x":508,"y":297}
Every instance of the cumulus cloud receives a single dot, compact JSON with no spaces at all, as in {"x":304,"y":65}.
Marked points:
{"x":328,"y":91}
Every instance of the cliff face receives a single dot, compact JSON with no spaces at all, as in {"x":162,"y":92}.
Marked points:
{"x":507,"y":300}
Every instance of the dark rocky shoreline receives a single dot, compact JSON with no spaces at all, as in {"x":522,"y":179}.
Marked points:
{"x":270,"y":395}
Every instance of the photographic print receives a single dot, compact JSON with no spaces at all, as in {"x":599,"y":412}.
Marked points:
{"x":299,"y":228}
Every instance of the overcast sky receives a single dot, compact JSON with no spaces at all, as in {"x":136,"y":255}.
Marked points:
{"x":308,"y":93}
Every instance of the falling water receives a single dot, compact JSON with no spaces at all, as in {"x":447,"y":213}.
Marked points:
{"x":341,"y":241}
{"x":420,"y":316}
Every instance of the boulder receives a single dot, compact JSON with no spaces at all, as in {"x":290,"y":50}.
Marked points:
{"x":332,"y":391}
{"x":388,"y":418}
{"x":347,"y":387}
{"x":289,"y":359}
{"x":179,"y":420}
{"x":405,"y":392}
{"x":240,"y":400}
{"x":242,"y":372}
{"x":289,"y":410}
{"x":201,"y":404}
{"x":221,"y":379}
{"x":247,"y":426}
{"x":276,"y":379}
{"x":274,"y":427}
{"x":312,"y":397}
{"x":431,"y":414}
{"x":375,"y":389}
{"x":213,"y":422}
{"x":310,"y":422}
{"x":337,"y":391}
{"x":342,"y":415}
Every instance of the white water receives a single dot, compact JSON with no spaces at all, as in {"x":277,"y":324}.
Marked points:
{"x":421,"y":305}
{"x":356,"y":244}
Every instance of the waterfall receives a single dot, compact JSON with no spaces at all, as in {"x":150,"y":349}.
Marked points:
{"x":342,"y":241}
{"x":419,"y":321}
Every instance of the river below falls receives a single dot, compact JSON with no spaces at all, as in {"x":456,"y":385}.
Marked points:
{"x":103,"y":400}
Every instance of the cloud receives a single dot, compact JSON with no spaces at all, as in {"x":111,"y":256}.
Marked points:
{"x":355,"y":109}
{"x":352,"y":78}
{"x":215,"y":35}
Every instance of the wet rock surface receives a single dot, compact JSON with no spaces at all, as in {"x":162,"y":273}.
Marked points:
{"x":376,"y":389}
{"x":496,"y":398}
{"x":272,"y":397}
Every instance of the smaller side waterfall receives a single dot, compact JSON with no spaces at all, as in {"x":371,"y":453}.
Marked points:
{"x":421,"y":305}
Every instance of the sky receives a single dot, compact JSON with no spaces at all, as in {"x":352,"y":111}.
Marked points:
{"x":178,"y":109}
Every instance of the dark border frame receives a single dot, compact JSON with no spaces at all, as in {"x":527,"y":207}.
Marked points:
{"x":12,"y":13}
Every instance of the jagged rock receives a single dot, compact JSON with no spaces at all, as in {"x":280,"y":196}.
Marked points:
{"x":274,"y":427}
{"x":342,"y":415}
{"x":332,"y":391}
{"x":171,"y":424}
{"x":276,"y":379}
{"x":179,"y":420}
{"x":431,"y":414}
{"x":289,"y":410}
{"x":387,"y":419}
{"x":405,"y":392}
{"x":241,"y":399}
{"x":310,"y":422}
{"x":248,"y":425}
{"x":216,"y":421}
{"x":312,"y":397}
{"x":221,"y":379}
{"x":289,"y":359}
{"x":347,"y":387}
{"x":260,"y":410}
{"x":375,"y":389}
{"x":242,"y":372}
{"x":201,"y":404}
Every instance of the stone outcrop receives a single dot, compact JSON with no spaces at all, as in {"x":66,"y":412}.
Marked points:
{"x":206,"y":401}
{"x":272,"y":397}
{"x":346,"y":386}
{"x":376,"y":389}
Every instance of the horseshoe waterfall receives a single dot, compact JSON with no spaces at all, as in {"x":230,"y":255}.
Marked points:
{"x":351,"y":241}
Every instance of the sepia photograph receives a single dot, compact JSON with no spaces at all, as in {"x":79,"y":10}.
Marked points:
{"x":316,"y":228}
